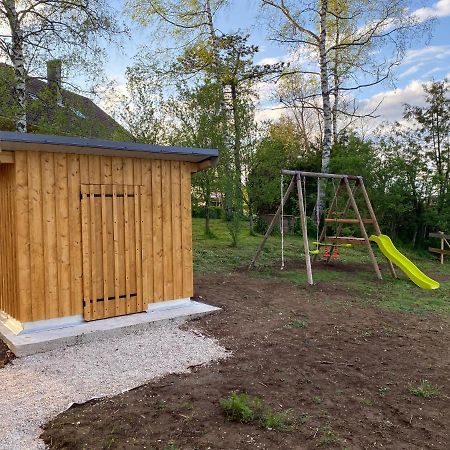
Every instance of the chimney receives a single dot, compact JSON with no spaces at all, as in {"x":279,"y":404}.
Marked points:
{"x":54,"y":79}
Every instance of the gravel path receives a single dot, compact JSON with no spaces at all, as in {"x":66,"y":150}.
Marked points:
{"x":37,"y":388}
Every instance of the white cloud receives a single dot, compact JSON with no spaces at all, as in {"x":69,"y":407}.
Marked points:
{"x":264,"y":91}
{"x":425,"y":54}
{"x":440,"y":9}
{"x":411,"y":71}
{"x":272,"y":60}
{"x":390,"y":105}
{"x":273,"y":113}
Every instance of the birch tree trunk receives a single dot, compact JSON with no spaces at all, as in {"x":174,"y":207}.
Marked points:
{"x":18,"y":61}
{"x":326,"y":103}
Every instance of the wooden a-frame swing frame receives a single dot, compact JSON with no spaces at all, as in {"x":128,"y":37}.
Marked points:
{"x":344,"y":182}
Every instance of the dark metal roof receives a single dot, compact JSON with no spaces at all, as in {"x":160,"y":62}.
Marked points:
{"x":183,"y":153}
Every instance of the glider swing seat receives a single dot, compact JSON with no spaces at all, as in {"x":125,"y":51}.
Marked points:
{"x":349,"y":184}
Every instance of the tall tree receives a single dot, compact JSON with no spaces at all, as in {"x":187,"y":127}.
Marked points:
{"x":431,"y":128}
{"x":342,"y":35}
{"x":39,"y":29}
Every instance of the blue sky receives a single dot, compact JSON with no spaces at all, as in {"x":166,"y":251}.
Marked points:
{"x":424,"y":61}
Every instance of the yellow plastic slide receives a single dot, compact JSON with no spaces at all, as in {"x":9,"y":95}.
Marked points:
{"x":409,"y":269}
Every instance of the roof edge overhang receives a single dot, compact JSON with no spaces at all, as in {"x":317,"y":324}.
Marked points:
{"x":12,"y":141}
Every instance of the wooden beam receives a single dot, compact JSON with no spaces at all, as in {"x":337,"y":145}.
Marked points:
{"x":345,"y":240}
{"x":441,"y":251}
{"x":363,"y":229}
{"x":6,"y":157}
{"x":272,"y":225}
{"x":349,"y":221}
{"x":330,"y":213}
{"x":301,"y":207}
{"x":375,"y":222}
{"x":431,"y":235}
{"x":319,"y":175}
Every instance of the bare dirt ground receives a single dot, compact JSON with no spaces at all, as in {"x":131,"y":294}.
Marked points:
{"x":344,"y":375}
{"x":5,"y":355}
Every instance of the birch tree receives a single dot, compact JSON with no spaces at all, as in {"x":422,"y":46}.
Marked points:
{"x":342,"y":36}
{"x":33,"y":30}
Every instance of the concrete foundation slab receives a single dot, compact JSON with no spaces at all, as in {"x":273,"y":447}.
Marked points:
{"x":41,"y":341}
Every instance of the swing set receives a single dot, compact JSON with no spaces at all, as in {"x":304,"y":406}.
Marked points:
{"x":346,"y":184}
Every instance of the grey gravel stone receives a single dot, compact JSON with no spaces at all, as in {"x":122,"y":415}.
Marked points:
{"x":36,"y":388}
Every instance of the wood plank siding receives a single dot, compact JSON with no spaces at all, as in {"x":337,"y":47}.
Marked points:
{"x":8,"y":254}
{"x":93,"y":227}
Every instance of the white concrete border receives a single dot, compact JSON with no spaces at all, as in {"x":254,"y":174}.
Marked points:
{"x":43,"y":339}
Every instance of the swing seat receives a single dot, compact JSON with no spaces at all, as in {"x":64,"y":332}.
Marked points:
{"x":314,"y":252}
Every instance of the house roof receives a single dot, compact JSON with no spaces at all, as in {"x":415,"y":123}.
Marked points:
{"x":12,"y":141}
{"x":80,"y":110}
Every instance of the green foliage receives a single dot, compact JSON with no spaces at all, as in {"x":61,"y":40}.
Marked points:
{"x":213,"y":256}
{"x":215,"y":212}
{"x":280,"y":149}
{"x":279,"y":421}
{"x":328,"y":436}
{"x":296,"y":324}
{"x":241,"y":407}
{"x":425,"y":389}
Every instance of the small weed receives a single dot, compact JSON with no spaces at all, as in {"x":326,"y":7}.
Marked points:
{"x":316,"y":400}
{"x":109,"y":443}
{"x":187,"y":405}
{"x":279,"y":421}
{"x":171,"y":447}
{"x":366,"y":333}
{"x":304,"y":418}
{"x":383,"y":390}
{"x":425,"y":389}
{"x":366,"y":402}
{"x":238,"y":407}
{"x":161,"y":405}
{"x":296,"y":324}
{"x":328,"y":436}
{"x":241,"y":407}
{"x":388,"y":331}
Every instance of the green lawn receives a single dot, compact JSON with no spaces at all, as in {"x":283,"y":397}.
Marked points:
{"x":216,"y":255}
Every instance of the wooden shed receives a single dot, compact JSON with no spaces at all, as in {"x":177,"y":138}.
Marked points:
{"x":91,"y":229}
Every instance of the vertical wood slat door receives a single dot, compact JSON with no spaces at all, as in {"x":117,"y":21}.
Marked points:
{"x":112,"y":250}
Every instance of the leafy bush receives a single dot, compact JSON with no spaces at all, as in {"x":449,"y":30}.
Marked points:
{"x":215,"y":212}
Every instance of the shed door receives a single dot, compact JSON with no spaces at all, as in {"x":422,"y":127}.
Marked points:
{"x":112,"y":250}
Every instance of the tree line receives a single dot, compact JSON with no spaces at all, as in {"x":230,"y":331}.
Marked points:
{"x":202,"y":88}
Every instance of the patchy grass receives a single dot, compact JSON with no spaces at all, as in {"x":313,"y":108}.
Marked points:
{"x":296,"y":324}
{"x":241,"y":407}
{"x":316,"y":400}
{"x":383,"y":390}
{"x":328,"y":436}
{"x":425,"y":389}
{"x":214,"y":255}
{"x":279,"y":421}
